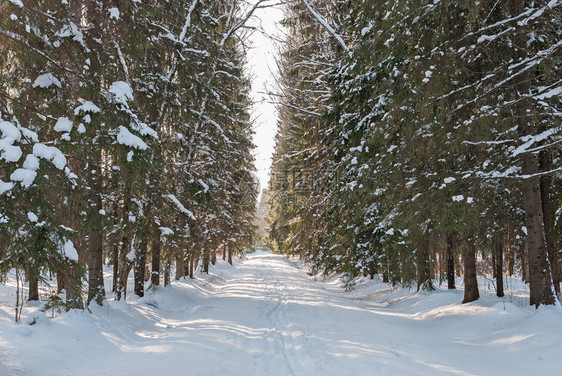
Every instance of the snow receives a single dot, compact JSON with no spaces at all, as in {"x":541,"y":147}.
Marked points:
{"x":86,"y":107}
{"x":63,"y":125}
{"x":10,"y":134}
{"x":458,"y":198}
{"x":31,"y":163}
{"x":71,"y":30}
{"x":180,"y":206}
{"x":46,"y":80}
{"x":17,"y":3}
{"x":166,"y":231}
{"x":9,"y":131}
{"x":204,"y":185}
{"x":50,"y":153}
{"x":121,"y":91}
{"x":69,"y":251}
{"x":32,"y":217}
{"x":125,"y":137}
{"x":267,"y":316}
{"x":550,"y":93}
{"x":114,"y":13}
{"x":5,"y":187}
{"x":25,"y":177}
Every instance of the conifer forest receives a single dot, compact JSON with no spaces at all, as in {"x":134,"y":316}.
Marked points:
{"x":407,"y":221}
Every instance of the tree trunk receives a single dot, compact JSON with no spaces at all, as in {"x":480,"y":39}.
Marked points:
{"x":191,"y":266}
{"x":124,"y":268}
{"x":61,"y":280}
{"x":450,"y":264}
{"x":470,"y":282}
{"x":73,"y":283}
{"x":186,"y":264}
{"x":155,"y":275}
{"x":498,"y":266}
{"x":167,"y":266}
{"x":206,"y":261}
{"x":140,"y":265}
{"x":180,"y":267}
{"x":115,"y":261}
{"x":422,"y":256}
{"x":96,"y":289}
{"x":372,"y":269}
{"x":494,"y":259}
{"x":224,"y":252}
{"x":213,"y":257}
{"x":546,"y":185}
{"x":525,"y":262}
{"x":510,"y":255}
{"x":539,"y":269}
{"x":230,"y":254}
{"x":33,"y":286}
{"x":124,"y":246}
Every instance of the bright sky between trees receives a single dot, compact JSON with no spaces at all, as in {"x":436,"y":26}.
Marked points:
{"x":262,"y":67}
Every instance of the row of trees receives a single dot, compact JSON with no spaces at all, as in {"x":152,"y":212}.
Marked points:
{"x":125,"y":135}
{"x":414,"y":133}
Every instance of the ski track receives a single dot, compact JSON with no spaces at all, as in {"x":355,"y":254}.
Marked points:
{"x":267,"y":316}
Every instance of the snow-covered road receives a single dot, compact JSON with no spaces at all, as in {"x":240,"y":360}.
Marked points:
{"x":267,"y":316}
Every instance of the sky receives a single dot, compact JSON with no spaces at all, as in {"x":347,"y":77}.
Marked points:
{"x":263,"y":68}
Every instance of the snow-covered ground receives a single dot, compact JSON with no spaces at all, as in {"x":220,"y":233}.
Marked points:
{"x":267,"y":316}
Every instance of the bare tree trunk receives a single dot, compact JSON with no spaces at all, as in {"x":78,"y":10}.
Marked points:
{"x":372,"y":269}
{"x":230,"y":254}
{"x":498,"y":265}
{"x":115,"y":262}
{"x":124,"y":268}
{"x":450,"y":264}
{"x":61,"y":280}
{"x":206,"y":261}
{"x":140,"y":268}
{"x":155,"y":275}
{"x":124,"y":246}
{"x":73,"y":284}
{"x":525,"y":262}
{"x":186,"y":264}
{"x":33,"y":286}
{"x":192,"y":266}
{"x":510,"y":255}
{"x":422,"y":256}
{"x":96,"y":290}
{"x":546,"y":185}
{"x":213,"y":256}
{"x":539,"y":269}
{"x":180,"y":267}
{"x":224,"y":252}
{"x":470,"y":282}
{"x":167,"y":266}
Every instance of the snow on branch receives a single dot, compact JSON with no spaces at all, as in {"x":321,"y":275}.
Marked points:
{"x":327,"y":26}
{"x":180,"y":206}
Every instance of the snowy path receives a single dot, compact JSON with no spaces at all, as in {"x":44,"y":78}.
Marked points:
{"x":266,"y":316}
